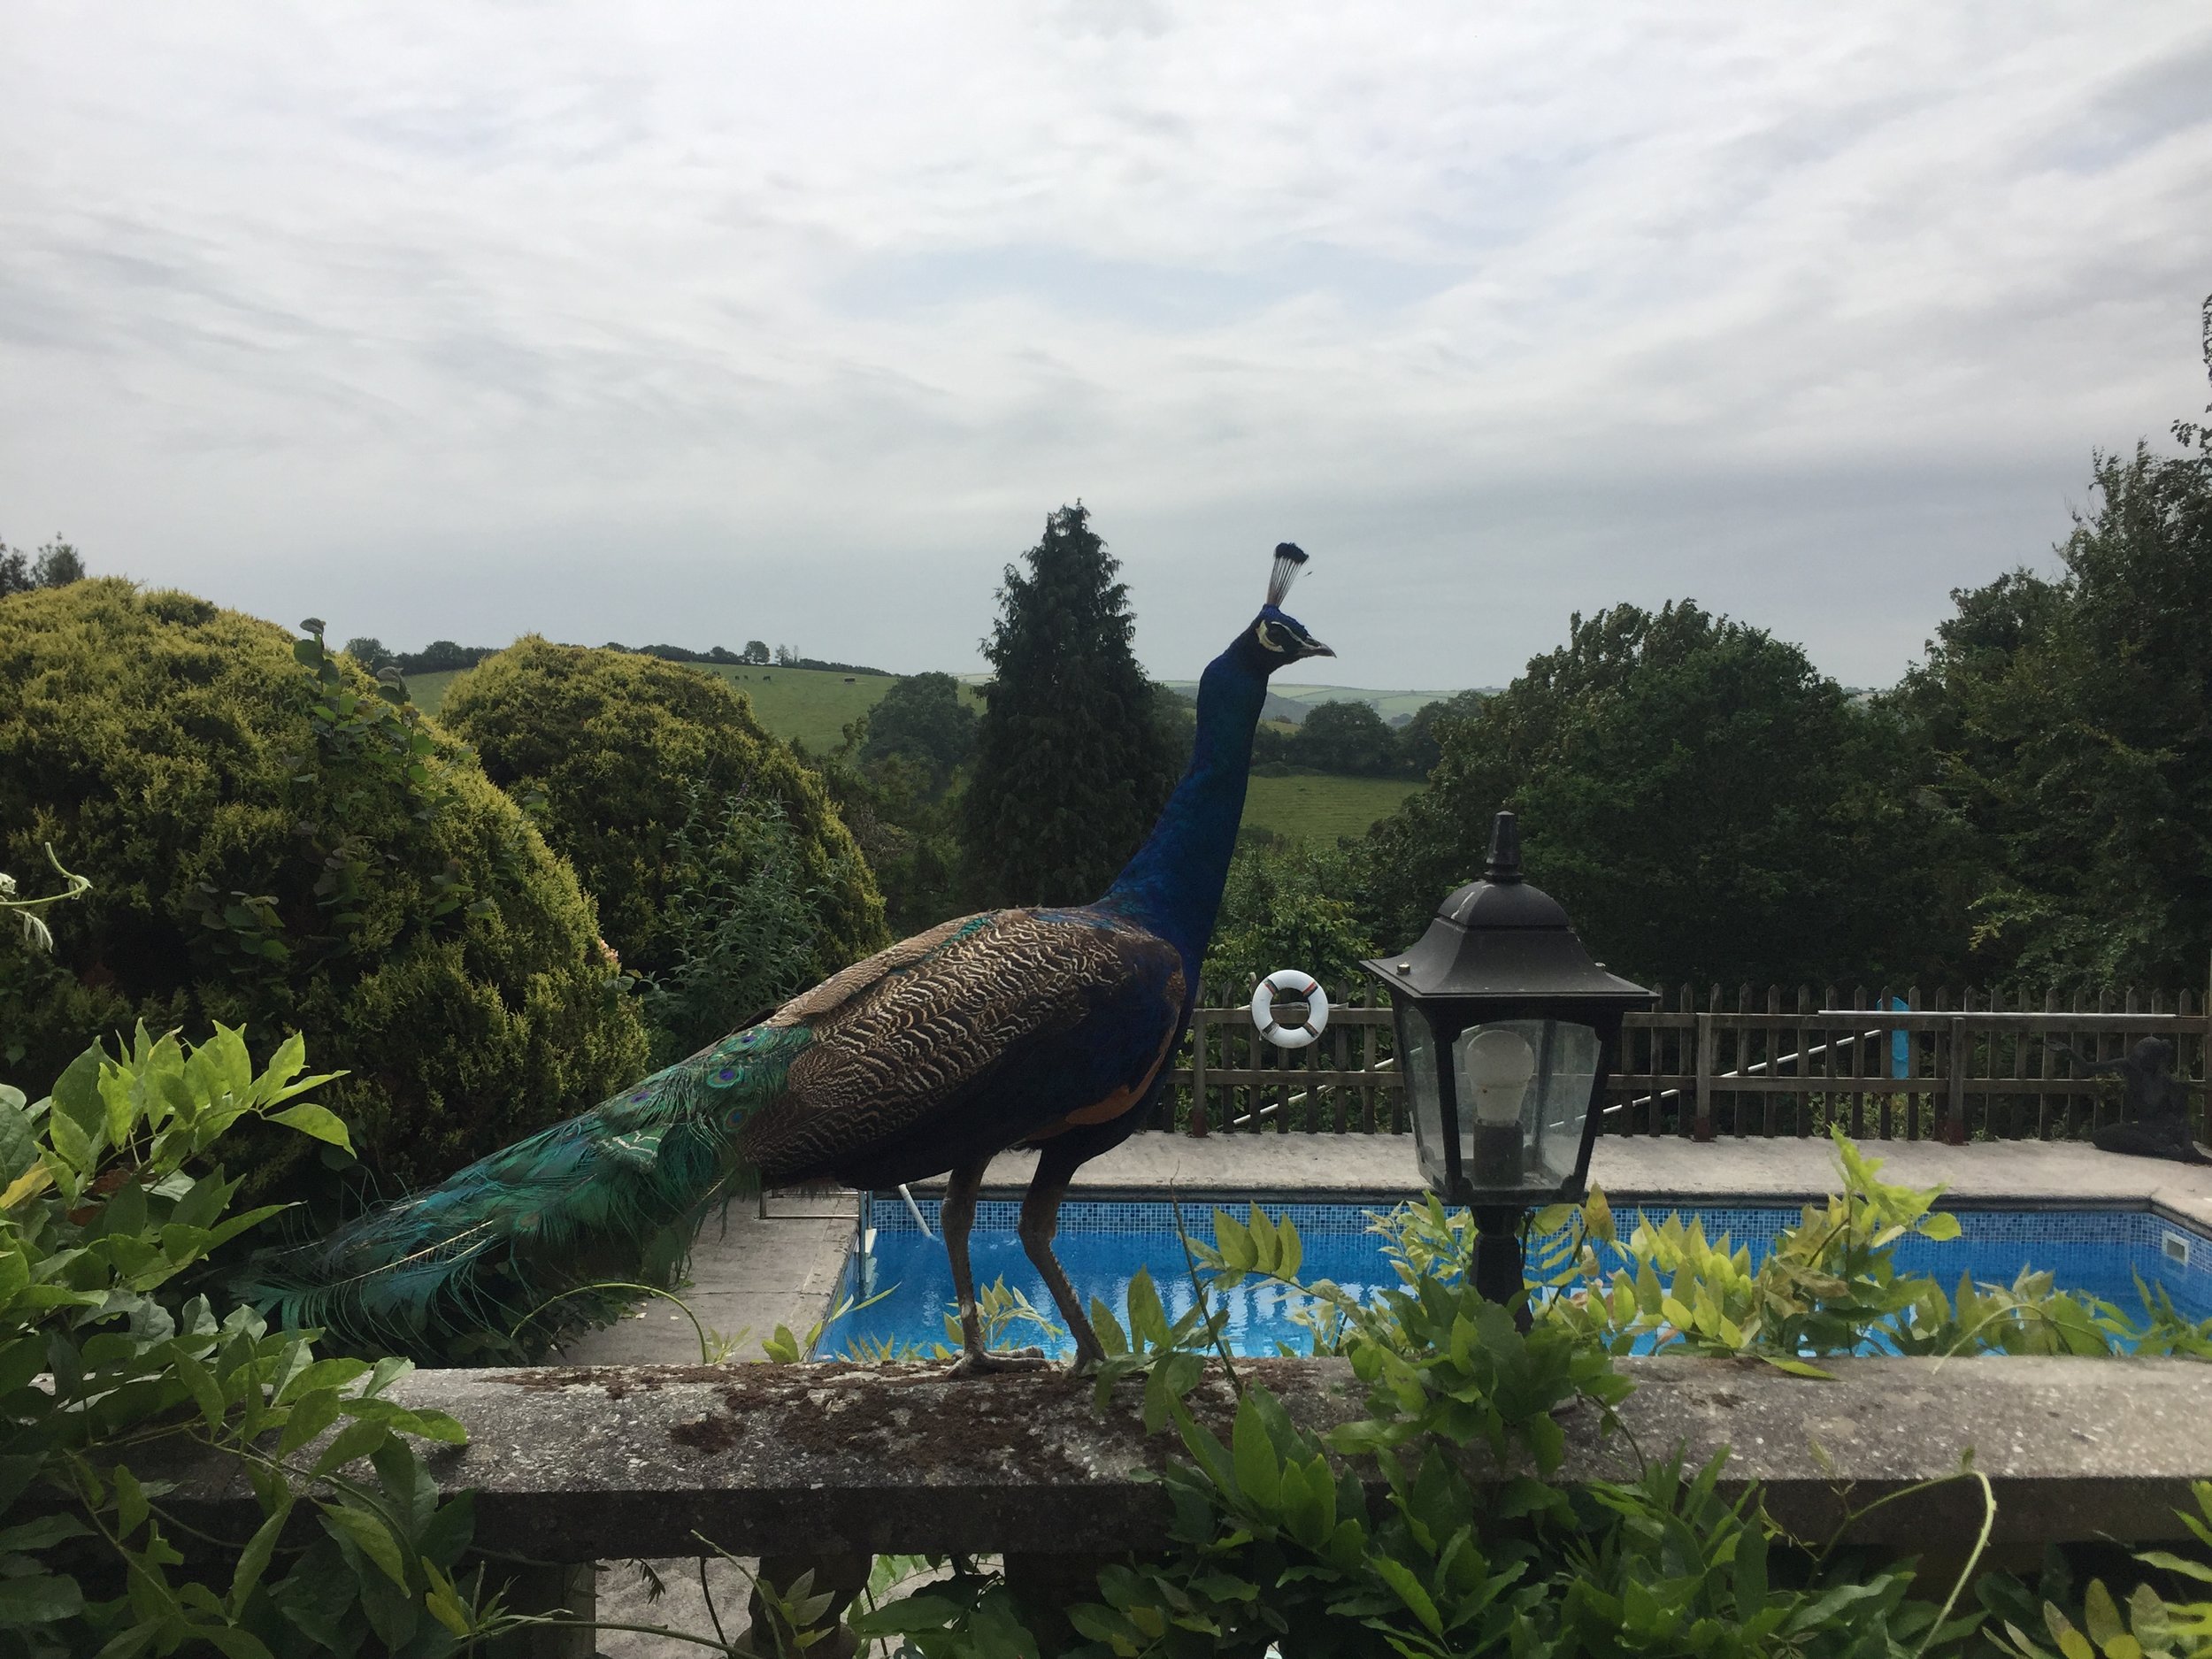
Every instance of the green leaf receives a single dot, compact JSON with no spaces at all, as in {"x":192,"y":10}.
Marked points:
{"x":311,"y":1119}
{"x":311,"y":1414}
{"x":47,"y":1529}
{"x":2102,"y":1616}
{"x":39,"y":1599}
{"x":206,"y":1394}
{"x":369,"y":1535}
{"x":1147,"y":1319}
{"x":1259,"y":1475}
{"x":131,"y":1507}
{"x":357,"y":1439}
{"x":1399,"y":1578}
{"x":1798,"y":1367}
{"x":1940,"y":1226}
{"x":253,"y":1561}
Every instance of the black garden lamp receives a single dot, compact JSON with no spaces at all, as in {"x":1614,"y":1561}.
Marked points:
{"x":1507,"y":1032}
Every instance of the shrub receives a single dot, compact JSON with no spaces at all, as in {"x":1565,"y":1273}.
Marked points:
{"x":1285,"y":906}
{"x":272,"y":843}
{"x":109,"y":1208}
{"x":615,"y":743}
{"x":740,"y":921}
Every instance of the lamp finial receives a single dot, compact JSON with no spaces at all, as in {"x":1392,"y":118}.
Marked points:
{"x":1505,"y":850}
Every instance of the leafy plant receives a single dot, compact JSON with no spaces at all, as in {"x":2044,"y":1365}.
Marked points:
{"x":109,"y":1210}
{"x":740,"y":924}
{"x":1832,"y":1284}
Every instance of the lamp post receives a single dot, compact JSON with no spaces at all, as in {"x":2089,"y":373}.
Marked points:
{"x":1507,"y":1032}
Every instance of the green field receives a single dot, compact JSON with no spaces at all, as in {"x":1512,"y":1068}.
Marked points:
{"x":812,"y":705}
{"x":1322,"y":808}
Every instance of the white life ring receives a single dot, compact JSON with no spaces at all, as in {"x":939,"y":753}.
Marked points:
{"x":1290,"y":982}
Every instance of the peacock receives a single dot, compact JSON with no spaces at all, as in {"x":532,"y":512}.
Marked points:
{"x":1039,"y":1027}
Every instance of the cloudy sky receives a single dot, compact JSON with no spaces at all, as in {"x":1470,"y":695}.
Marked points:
{"x":706,"y":322}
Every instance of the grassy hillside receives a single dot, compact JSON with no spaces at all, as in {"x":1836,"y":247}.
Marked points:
{"x":1295,"y":702}
{"x":812,"y":705}
{"x":809,"y":704}
{"x":1322,"y":808}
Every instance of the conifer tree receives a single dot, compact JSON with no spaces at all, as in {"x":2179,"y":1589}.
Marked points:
{"x":1071,"y":765}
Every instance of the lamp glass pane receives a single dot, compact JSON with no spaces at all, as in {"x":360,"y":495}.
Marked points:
{"x":1525,"y":1092}
{"x":1420,"y":1041}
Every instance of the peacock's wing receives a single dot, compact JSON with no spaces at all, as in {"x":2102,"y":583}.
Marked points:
{"x":987,"y":1029}
{"x":980,"y":1034}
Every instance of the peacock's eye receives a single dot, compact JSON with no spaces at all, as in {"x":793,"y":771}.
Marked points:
{"x":1266,"y":633}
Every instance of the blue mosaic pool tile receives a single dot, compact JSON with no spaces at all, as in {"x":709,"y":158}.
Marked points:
{"x":2064,"y":1242}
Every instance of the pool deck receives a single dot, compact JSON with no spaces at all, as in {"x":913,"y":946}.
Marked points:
{"x":758,"y":1274}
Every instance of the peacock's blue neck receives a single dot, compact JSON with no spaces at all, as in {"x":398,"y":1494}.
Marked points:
{"x":1173,"y":888}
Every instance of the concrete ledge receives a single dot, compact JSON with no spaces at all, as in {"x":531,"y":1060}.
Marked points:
{"x":576,"y":1464}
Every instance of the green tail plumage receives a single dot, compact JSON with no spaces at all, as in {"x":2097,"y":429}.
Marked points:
{"x":500,"y":1260}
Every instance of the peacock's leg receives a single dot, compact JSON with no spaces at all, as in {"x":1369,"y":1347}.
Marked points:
{"x":1041,"y":1220}
{"x":954,"y":1218}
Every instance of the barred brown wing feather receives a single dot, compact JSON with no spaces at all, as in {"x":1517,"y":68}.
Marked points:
{"x":847,"y":983}
{"x":893,"y":1052}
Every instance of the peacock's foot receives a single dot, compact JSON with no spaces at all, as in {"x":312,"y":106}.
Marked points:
{"x":976,"y":1363}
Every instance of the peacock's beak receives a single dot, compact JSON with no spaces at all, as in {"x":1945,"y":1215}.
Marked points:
{"x":1314,"y":648}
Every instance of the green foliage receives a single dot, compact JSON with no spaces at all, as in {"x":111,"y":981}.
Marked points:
{"x":905,"y":821}
{"x":57,"y":564}
{"x":2068,"y":734}
{"x":1348,"y":738}
{"x":277,"y":843}
{"x":1286,"y":904}
{"x":1072,"y":764}
{"x":1374,"y":1538}
{"x":111,"y":1207}
{"x":922,"y":720}
{"x":2150,"y":1627}
{"x":27,"y":911}
{"x":740,"y":923}
{"x":1702,"y":801}
{"x":1831,"y":1284}
{"x":1420,"y":741}
{"x":617,"y":744}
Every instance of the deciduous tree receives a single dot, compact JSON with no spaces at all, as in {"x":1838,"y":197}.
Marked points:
{"x":1705,"y":804}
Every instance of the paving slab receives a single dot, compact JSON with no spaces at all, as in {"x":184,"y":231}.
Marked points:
{"x":746,"y":1278}
{"x":1353,"y":1167}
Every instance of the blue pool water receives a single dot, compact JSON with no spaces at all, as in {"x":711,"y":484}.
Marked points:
{"x":1102,"y":1244}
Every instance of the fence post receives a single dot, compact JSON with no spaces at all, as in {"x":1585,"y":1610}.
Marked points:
{"x":1198,"y":1073}
{"x":1954,"y":1124}
{"x":1704,"y":1124}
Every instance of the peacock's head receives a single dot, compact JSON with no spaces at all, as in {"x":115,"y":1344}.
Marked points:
{"x":1278,"y":639}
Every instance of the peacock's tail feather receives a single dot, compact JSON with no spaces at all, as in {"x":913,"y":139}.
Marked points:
{"x":501,"y":1259}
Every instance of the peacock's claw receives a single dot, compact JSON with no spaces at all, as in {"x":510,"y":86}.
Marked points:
{"x":976,"y":1363}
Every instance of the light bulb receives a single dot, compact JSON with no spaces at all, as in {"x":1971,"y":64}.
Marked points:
{"x":1497,"y":1064}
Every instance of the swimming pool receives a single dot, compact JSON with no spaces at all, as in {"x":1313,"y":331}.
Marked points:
{"x":1102,"y":1244}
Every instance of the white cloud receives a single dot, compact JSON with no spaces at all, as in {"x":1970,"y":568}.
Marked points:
{"x":684,"y":323}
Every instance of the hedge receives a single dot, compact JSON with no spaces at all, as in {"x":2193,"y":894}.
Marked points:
{"x":272,"y":845}
{"x":610,"y":747}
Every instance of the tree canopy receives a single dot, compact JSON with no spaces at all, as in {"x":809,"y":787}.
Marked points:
{"x":1348,"y":737}
{"x":1072,"y":764}
{"x":1702,"y":801}
{"x":2067,"y":726}
{"x":922,"y":718}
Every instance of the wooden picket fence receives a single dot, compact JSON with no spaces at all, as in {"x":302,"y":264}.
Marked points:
{"x":1958,"y":1065}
